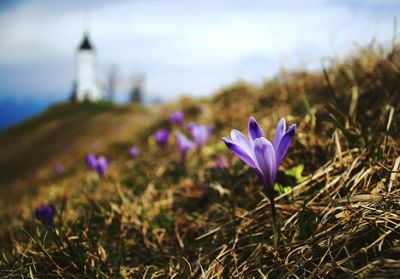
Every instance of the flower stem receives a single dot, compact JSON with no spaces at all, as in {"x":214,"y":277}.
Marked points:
{"x":274,"y":223}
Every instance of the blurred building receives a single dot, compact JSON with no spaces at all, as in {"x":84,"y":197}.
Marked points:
{"x":87,"y":86}
{"x":137,"y":89}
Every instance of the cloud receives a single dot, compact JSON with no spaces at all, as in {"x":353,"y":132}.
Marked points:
{"x":181,"y":46}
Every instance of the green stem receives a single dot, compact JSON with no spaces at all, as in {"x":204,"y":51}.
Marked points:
{"x":274,"y":222}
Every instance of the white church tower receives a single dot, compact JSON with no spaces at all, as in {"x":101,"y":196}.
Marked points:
{"x":87,"y":86}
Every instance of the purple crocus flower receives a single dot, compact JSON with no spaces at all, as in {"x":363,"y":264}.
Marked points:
{"x":102,"y":165}
{"x":177,"y":117}
{"x":161,"y":137}
{"x":134,"y":151}
{"x":59,"y":168}
{"x":200,"y":133}
{"x":184,"y":144}
{"x":91,"y":161}
{"x":261,"y":155}
{"x":98,"y":164}
{"x":45,"y":214}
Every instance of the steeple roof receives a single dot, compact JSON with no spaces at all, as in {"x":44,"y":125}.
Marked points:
{"x":86,"y":45}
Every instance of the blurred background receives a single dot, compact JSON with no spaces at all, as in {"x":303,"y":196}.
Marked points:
{"x":156,"y":51}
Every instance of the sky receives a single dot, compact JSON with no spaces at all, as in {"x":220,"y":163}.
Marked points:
{"x":180,"y":46}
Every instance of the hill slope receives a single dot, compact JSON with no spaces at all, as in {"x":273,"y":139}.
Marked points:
{"x":156,"y":216}
{"x":62,"y":135}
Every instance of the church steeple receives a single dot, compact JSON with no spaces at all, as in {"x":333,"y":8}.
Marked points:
{"x":86,"y":45}
{"x":87,"y":86}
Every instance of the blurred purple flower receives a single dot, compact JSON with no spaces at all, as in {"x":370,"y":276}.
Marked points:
{"x":45,"y":214}
{"x":134,"y":151}
{"x":177,"y":117}
{"x":91,"y":161}
{"x":184,"y":144}
{"x":99,"y":164}
{"x":161,"y":137}
{"x":260,"y":154}
{"x":59,"y":168}
{"x":102,"y":165}
{"x":200,"y":133}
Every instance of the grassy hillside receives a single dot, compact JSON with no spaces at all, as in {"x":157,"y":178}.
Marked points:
{"x":154,"y":216}
{"x":63,"y":134}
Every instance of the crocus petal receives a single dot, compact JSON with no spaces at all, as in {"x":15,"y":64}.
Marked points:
{"x":45,"y":214}
{"x":200,"y":133}
{"x":184,"y":144}
{"x":134,"y":151}
{"x":238,"y":151}
{"x":48,"y":215}
{"x":266,"y":161}
{"x":284,"y":144}
{"x":241,"y":140}
{"x":177,"y":117}
{"x":91,"y":161}
{"x":254,"y":129}
{"x":161,"y":137}
{"x":280,"y":131}
{"x":102,"y":165}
